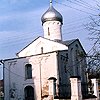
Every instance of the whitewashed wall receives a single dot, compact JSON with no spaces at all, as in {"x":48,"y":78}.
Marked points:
{"x":35,"y":47}
{"x":52,"y":30}
{"x":15,"y":74}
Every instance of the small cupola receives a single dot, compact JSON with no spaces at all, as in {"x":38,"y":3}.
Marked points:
{"x":52,"y":22}
{"x":51,"y":14}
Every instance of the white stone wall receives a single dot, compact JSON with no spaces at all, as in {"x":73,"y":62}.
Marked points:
{"x":15,"y":75}
{"x":47,"y":45}
{"x":95,"y":88}
{"x":76,"y":93}
{"x":48,"y":63}
{"x":52,"y":30}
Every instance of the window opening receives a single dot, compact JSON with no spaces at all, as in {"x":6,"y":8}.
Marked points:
{"x":48,"y":31}
{"x":28,"y":71}
{"x":41,"y":49}
{"x":29,"y":93}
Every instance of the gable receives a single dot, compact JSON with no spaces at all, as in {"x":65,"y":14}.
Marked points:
{"x":72,"y":43}
{"x":76,"y":44}
{"x":41,"y":45}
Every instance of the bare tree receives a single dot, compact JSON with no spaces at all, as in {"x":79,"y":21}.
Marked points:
{"x":93,"y":57}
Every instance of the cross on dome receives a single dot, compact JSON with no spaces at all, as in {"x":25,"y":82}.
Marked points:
{"x":50,"y":2}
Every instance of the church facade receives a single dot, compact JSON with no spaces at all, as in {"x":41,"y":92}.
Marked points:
{"x":28,"y":76}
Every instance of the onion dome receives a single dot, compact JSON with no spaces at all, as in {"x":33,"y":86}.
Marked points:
{"x":51,"y":14}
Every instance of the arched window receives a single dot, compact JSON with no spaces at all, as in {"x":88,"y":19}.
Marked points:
{"x":28,"y":71}
{"x":29,"y":93}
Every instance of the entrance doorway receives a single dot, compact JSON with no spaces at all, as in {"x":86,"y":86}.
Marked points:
{"x":29,"y":93}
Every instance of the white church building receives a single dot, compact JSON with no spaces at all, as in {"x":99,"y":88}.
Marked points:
{"x":42,"y":69}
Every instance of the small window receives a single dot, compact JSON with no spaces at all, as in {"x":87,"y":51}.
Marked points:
{"x":65,"y":68}
{"x":48,"y":31}
{"x":41,"y":49}
{"x":28,"y":71}
{"x":58,"y":23}
{"x":76,"y":45}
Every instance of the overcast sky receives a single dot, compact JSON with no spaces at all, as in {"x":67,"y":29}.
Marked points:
{"x":20,"y":22}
